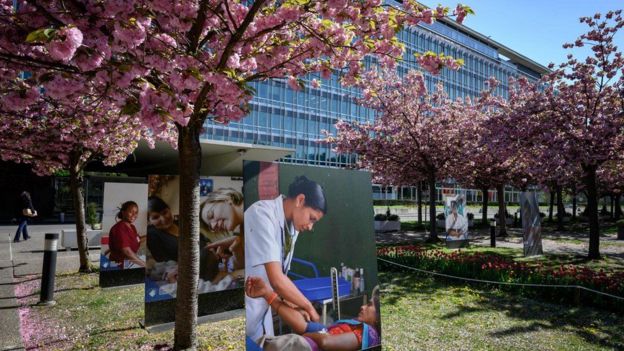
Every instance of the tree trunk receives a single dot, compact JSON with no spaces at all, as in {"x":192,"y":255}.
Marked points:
{"x":502,"y":213}
{"x":77,"y":191}
{"x":484,"y":209}
{"x":419,"y":194}
{"x":612,"y":215}
{"x":592,"y":211}
{"x":189,"y":150}
{"x":550,"y":208}
{"x":604,"y":205}
{"x":618,"y":208}
{"x":560,"y":208}
{"x":433,"y":235}
{"x":574,"y":202}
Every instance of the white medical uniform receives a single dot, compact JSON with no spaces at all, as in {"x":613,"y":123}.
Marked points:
{"x":460,"y":224}
{"x":264,"y":242}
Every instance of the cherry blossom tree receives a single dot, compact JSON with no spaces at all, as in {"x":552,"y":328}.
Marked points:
{"x":415,"y":134}
{"x":177,"y":64}
{"x":495,"y":155}
{"x":484,"y":166}
{"x":585,"y":98}
{"x":611,"y":181}
{"x":573,"y":120}
{"x":51,"y":137}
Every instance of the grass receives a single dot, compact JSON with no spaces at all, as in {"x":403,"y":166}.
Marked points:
{"x":91,"y":318}
{"x":417,"y":313}
{"x":450,"y":317}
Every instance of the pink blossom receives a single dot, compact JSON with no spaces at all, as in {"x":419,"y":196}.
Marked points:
{"x":293,"y":83}
{"x":131,"y":34}
{"x":460,"y":12}
{"x":233,"y":61}
{"x":63,"y":47}
{"x":89,"y":62}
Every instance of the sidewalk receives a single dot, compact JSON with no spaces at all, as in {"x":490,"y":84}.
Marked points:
{"x":27,"y":260}
{"x":553,"y":243}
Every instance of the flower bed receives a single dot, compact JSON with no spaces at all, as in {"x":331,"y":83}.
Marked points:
{"x":501,"y":269}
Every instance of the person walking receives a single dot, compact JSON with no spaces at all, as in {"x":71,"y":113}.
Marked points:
{"x":27,"y":212}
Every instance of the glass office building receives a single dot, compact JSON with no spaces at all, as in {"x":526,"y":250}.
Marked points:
{"x":291,"y":119}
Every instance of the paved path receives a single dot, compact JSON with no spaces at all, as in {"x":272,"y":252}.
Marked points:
{"x":27,"y":259}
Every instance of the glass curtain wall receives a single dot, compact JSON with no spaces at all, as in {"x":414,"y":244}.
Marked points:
{"x":282,"y":117}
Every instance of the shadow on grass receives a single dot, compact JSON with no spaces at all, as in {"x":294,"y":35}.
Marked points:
{"x":91,"y":287}
{"x":403,"y":284}
{"x":114,"y":330}
{"x":594,"y":326}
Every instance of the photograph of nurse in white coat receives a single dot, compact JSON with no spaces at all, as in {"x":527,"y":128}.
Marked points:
{"x":456,"y":222}
{"x":271,"y":230}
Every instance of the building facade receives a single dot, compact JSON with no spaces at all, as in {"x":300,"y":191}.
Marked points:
{"x":296,"y":120}
{"x":292,"y":119}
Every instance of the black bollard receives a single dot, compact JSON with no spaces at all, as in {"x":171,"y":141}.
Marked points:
{"x":49,"y":270}
{"x":492,"y":232}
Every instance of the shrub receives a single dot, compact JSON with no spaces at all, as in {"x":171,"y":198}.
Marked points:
{"x":470,"y":215}
{"x":380,"y":217}
{"x":92,"y":216}
{"x":383,"y":217}
{"x":441,"y":216}
{"x":507,"y":215}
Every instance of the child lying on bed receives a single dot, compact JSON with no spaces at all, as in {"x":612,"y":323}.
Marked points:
{"x":344,"y":335}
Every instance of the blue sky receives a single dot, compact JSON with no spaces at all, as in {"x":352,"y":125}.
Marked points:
{"x":536,"y":29}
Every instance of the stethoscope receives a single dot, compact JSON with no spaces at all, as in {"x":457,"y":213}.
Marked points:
{"x":286,"y":256}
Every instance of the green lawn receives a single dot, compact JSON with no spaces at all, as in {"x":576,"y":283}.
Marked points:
{"x":422,"y":314}
{"x":91,"y":318}
{"x":418,"y":314}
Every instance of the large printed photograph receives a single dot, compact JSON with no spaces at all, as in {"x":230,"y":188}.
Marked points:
{"x":221,"y":241}
{"x":456,"y":221}
{"x":124,"y":226}
{"x":531,"y":224}
{"x":310,"y":267}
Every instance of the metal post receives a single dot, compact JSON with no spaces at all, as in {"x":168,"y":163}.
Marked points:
{"x":48,"y":271}
{"x":492,"y":232}
{"x":10,"y":249}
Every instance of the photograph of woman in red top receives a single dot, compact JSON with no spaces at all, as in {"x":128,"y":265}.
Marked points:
{"x":124,"y":240}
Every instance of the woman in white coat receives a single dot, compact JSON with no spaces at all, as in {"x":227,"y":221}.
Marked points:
{"x":271,"y":230}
